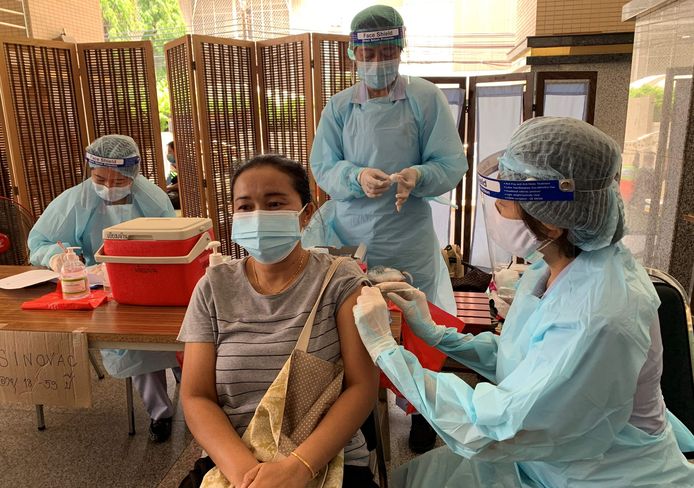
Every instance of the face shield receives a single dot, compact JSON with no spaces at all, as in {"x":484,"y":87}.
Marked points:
{"x":112,"y":178}
{"x":377,"y":54}
{"x":108,"y":189}
{"x":512,"y":244}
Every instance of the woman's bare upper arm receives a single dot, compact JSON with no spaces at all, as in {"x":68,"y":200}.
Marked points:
{"x":199,"y":378}
{"x":358,"y":365}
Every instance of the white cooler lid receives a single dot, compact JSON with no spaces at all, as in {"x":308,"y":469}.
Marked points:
{"x":158,"y":229}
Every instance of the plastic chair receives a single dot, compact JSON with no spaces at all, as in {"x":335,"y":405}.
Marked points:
{"x":677,"y":381}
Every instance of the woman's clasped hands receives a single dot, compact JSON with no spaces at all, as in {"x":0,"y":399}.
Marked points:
{"x":287,"y":473}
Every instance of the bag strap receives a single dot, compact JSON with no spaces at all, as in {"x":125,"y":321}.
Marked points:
{"x":302,"y":343}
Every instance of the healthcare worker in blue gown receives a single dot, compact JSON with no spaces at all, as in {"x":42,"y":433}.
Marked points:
{"x":573,"y":398}
{"x":114,"y":192}
{"x":382,"y":147}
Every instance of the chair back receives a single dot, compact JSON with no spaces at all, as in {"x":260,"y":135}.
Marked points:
{"x":677,"y":381}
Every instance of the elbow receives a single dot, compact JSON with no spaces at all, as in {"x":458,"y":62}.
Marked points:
{"x":191,"y":400}
{"x":372,"y":382}
{"x":366,"y":387}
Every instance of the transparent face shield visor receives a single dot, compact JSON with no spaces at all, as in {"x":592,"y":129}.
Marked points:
{"x":109,"y":184}
{"x":511,"y":243}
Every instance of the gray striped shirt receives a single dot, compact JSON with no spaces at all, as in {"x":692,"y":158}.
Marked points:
{"x":255,"y":334}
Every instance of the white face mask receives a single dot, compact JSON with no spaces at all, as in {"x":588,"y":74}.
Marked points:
{"x":514,"y":237}
{"x":111,"y":194}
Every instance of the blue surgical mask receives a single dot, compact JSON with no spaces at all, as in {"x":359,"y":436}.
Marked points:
{"x":378,"y":74}
{"x":170,"y":158}
{"x":268,"y":235}
{"x":111,"y":194}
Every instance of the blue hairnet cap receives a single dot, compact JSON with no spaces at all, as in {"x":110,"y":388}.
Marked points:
{"x":547,"y":148}
{"x":384,"y":21}
{"x":116,"y":152}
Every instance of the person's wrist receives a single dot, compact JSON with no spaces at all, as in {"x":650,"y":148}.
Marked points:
{"x":428,"y":331}
{"x":418,"y":175}
{"x":299,"y":467}
{"x":435,"y":335}
{"x":359,"y":173}
{"x":242,"y":466}
{"x":385,"y":344}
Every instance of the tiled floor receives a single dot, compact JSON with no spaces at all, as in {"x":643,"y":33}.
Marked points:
{"x":88,"y":447}
{"x":92,"y":448}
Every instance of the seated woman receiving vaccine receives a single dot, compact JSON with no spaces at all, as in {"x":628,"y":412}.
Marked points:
{"x":244,"y":320}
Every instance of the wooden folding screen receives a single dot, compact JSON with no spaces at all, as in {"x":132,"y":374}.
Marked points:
{"x":333,"y":72}
{"x":186,"y":129}
{"x":5,"y":176}
{"x":225,"y":73}
{"x":286,"y":96}
{"x":233,"y":99}
{"x":50,"y":123}
{"x":46,"y":130}
{"x":121,"y":98}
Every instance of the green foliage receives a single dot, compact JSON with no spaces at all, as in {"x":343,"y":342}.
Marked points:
{"x":164,"y":103}
{"x":649,"y":90}
{"x":121,"y":18}
{"x":154,"y":20}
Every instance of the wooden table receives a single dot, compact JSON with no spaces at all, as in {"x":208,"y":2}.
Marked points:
{"x":110,"y":326}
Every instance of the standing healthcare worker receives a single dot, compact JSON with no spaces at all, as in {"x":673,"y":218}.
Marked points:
{"x":115,"y":192}
{"x":382,"y":147}
{"x":574,"y":397}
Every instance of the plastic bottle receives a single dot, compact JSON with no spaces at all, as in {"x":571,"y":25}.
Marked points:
{"x":73,"y":276}
{"x":216,"y":257}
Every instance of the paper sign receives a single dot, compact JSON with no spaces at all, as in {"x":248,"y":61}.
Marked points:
{"x":45,"y":368}
{"x":28,"y":278}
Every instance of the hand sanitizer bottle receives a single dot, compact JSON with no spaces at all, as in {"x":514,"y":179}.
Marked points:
{"x":216,"y":258}
{"x":73,"y":277}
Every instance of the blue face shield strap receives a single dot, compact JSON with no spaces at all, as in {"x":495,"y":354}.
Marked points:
{"x":527,"y":190}
{"x":521,"y":190}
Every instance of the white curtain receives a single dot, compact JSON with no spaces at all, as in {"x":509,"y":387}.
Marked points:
{"x":499,"y":112}
{"x":442,"y":213}
{"x":566,"y":99}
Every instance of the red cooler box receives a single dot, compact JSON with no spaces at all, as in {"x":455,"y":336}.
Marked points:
{"x":156,"y":261}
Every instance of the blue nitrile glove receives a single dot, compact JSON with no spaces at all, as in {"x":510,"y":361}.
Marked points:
{"x":415,"y":308}
{"x":373,"y":322}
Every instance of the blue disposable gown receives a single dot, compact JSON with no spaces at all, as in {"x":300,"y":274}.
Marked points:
{"x":77,"y":217}
{"x":412,"y":127}
{"x":564,"y":373}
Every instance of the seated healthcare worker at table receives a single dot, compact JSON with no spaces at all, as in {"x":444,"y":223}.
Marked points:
{"x":114,"y":192}
{"x":574,"y":396}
